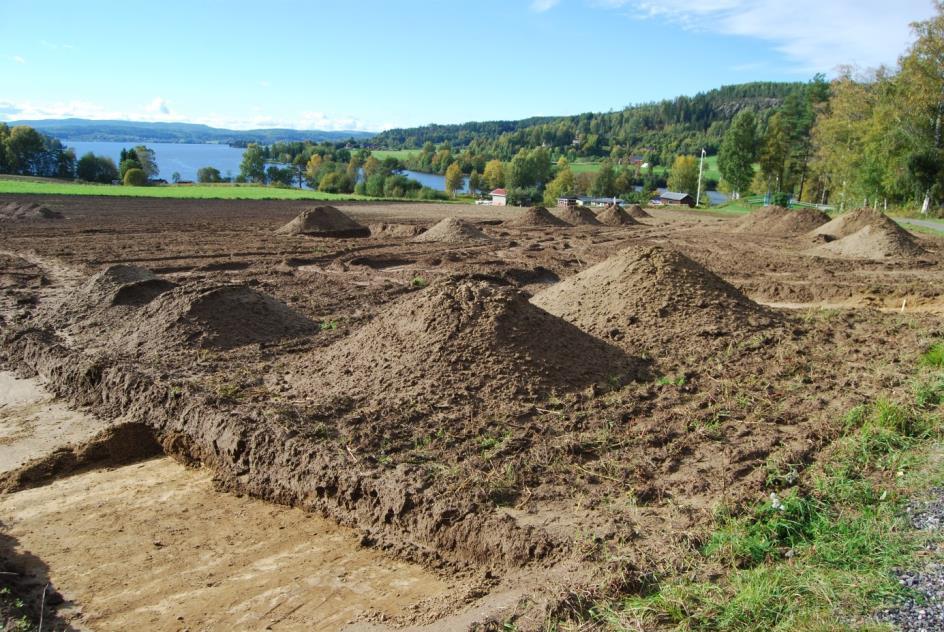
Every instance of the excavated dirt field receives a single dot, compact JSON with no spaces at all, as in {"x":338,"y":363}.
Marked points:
{"x":529,"y":454}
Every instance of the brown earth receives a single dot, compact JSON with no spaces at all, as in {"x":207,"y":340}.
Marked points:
{"x":614,"y":215}
{"x":637,"y":212}
{"x":577,"y":216}
{"x":20,"y":211}
{"x":431,"y":410}
{"x":323,"y":221}
{"x":536,"y":216}
{"x":777,"y":221}
{"x":451,"y":230}
{"x":879,"y":240}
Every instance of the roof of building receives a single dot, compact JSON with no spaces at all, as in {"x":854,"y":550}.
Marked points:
{"x":499,"y":192}
{"x":672,"y":195}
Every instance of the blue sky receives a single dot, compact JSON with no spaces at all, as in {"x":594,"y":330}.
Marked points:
{"x":375,"y":64}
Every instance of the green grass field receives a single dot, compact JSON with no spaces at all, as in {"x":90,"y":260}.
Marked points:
{"x":399,"y":154}
{"x":711,"y":168}
{"x":200,"y":191}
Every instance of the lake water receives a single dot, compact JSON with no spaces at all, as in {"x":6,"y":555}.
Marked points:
{"x":183,"y":158}
{"x":187,"y":158}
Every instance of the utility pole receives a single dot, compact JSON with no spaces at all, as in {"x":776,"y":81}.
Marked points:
{"x":701,"y":169}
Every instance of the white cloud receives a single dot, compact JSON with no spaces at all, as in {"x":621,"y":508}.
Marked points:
{"x":816,"y":35}
{"x":159,"y":110}
{"x":264,"y":83}
{"x":158,"y":107}
{"x":540,"y":6}
{"x":18,"y":59}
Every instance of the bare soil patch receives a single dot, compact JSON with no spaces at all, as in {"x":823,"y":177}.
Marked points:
{"x":25,"y":211}
{"x":533,"y":458}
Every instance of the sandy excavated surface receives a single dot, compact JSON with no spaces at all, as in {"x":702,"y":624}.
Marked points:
{"x":33,"y":424}
{"x":426,"y":406}
{"x":153,"y":546}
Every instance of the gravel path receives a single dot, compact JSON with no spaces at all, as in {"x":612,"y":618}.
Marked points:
{"x":926,"y":223}
{"x":924,"y":613}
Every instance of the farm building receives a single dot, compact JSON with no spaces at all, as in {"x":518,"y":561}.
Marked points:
{"x":567,"y":201}
{"x":671,"y":198}
{"x":585,"y":200}
{"x":499,"y":197}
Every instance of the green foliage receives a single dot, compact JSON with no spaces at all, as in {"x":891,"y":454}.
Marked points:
{"x":684,"y":175}
{"x":739,"y":151}
{"x":252,"y":166}
{"x":210,"y":175}
{"x":819,"y":555}
{"x":135,"y":178}
{"x":934,"y":356}
{"x":453,"y":178}
{"x":92,"y":168}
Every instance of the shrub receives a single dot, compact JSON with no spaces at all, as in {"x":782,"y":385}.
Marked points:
{"x":135,"y":178}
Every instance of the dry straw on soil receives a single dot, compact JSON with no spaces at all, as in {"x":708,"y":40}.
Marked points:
{"x":324,"y":221}
{"x":452,"y":230}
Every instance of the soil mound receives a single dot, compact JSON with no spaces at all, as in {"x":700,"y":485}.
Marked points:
{"x":637,"y":212}
{"x":124,"y":285}
{"x":15,"y":212}
{"x":648,"y":294}
{"x":777,"y":221}
{"x":323,"y":221}
{"x":865,"y":233}
{"x":463,"y":339}
{"x":452,"y":230}
{"x":872,"y":241}
{"x":384,"y":230}
{"x":216,"y":317}
{"x":577,"y":216}
{"x":614,"y":215}
{"x":852,"y":222}
{"x":536,"y":216}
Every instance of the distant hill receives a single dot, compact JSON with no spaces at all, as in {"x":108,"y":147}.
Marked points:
{"x":76,"y":129}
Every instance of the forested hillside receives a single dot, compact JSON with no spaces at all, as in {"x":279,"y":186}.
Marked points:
{"x":655,"y":131}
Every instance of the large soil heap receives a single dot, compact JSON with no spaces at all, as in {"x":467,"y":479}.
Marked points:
{"x":123,"y":285}
{"x":452,"y":230}
{"x":536,"y":216}
{"x":324,"y":221}
{"x":649,"y":295}
{"x":614,"y":215}
{"x":460,"y":340}
{"x":777,"y":221}
{"x":578,"y":216}
{"x":215,"y":317}
{"x":15,"y":212}
{"x":637,"y":212}
{"x":865,"y":233}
